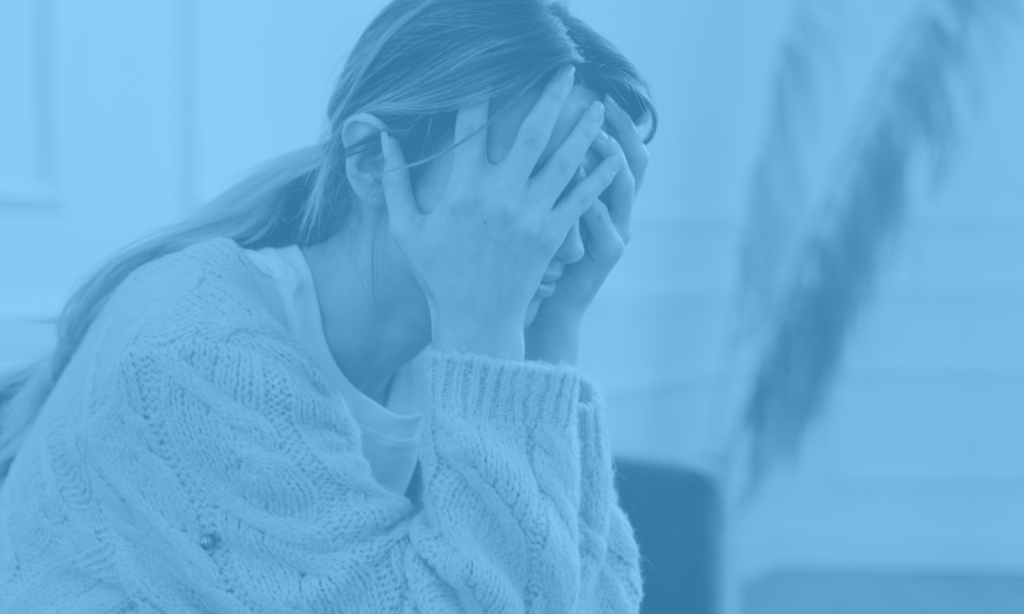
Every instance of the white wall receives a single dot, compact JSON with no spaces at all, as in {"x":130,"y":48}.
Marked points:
{"x":918,"y":465}
{"x":92,"y":149}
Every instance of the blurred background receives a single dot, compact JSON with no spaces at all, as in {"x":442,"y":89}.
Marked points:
{"x":813,"y":351}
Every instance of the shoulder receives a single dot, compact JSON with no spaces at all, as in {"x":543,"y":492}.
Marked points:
{"x":208,"y":291}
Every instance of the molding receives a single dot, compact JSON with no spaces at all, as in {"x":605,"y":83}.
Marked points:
{"x":30,"y":308}
{"x":39,"y":192}
{"x":25,"y":339}
{"x":34,"y":196}
{"x":186,"y":79}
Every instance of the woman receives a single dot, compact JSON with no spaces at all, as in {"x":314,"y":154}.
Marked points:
{"x":236,"y":407}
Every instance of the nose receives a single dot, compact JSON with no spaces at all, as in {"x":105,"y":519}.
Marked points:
{"x":571,"y":249}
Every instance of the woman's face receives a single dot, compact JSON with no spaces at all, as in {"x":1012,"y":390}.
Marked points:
{"x":433,"y":180}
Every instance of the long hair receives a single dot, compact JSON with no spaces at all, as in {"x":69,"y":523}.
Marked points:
{"x":414,"y":67}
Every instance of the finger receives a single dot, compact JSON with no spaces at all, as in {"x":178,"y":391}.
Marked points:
{"x":577,"y":177}
{"x":588,"y":191}
{"x":562,"y":165}
{"x":621,"y":194}
{"x":600,"y":226}
{"x":535,"y":132}
{"x":471,"y":137}
{"x":398,"y":192}
{"x":626,"y":133}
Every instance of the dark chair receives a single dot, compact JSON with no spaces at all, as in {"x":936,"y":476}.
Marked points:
{"x":676,"y":519}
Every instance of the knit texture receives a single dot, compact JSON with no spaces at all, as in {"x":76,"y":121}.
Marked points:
{"x":192,"y":459}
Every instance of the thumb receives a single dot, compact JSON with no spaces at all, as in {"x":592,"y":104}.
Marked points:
{"x":398,"y":193}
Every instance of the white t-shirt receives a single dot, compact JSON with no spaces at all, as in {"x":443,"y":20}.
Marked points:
{"x":390,"y":435}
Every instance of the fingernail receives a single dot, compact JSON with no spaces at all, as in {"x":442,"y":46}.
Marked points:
{"x":608,"y":100}
{"x":616,"y":163}
{"x":597,"y":111}
{"x":567,"y":74}
{"x":602,"y":136}
{"x":385,"y":147}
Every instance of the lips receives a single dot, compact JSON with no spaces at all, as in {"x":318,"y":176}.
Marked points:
{"x":551,"y":278}
{"x":545,"y":290}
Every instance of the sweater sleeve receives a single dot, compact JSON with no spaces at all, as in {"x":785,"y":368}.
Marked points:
{"x":229,"y":479}
{"x":610,"y":573}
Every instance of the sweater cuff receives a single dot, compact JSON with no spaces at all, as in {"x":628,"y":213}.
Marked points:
{"x":510,"y":395}
{"x":596,"y":460}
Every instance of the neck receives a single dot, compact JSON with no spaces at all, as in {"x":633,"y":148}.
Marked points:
{"x":370,"y":342}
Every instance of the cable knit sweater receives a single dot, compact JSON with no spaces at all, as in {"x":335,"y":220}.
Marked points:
{"x":192,"y":459}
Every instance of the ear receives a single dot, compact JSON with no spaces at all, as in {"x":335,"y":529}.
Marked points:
{"x":363,"y":169}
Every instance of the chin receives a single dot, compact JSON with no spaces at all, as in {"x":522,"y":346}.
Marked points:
{"x":531,"y":311}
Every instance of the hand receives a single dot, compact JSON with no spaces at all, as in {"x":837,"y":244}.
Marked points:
{"x":554,"y":333}
{"x":605,"y":228}
{"x":481,"y":253}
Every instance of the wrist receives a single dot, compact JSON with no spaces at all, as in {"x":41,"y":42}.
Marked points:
{"x":559,"y":318}
{"x":553,"y":340}
{"x":499,"y":340}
